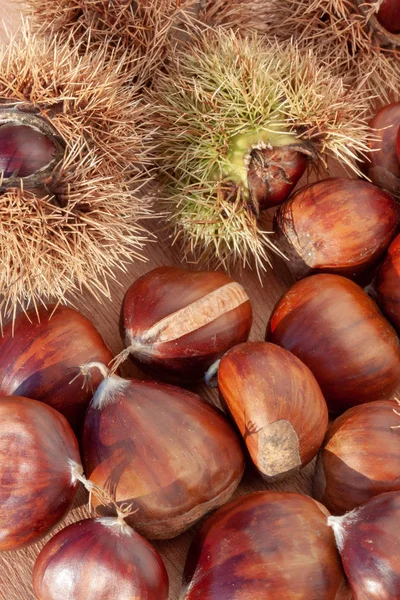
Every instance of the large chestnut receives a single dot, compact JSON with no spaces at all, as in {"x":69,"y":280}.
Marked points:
{"x":38,"y":452}
{"x":277,"y":404}
{"x":269,"y":545}
{"x":331,"y":324}
{"x":383,"y":168}
{"x":388,"y":284}
{"x":360,"y":457}
{"x":162,"y":450}
{"x":177,"y":323}
{"x":338,"y":225}
{"x":368,"y":539}
{"x":99,"y":559}
{"x":40,"y":354}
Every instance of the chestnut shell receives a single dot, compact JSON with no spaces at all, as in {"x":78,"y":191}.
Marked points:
{"x":388,"y":284}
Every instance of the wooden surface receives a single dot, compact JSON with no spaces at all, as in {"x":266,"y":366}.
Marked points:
{"x":15,"y":567}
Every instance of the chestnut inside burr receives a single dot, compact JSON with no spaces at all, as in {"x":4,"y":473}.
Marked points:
{"x":24,"y":150}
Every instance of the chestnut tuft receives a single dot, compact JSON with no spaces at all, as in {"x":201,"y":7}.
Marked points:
{"x":38,"y":452}
{"x":277,"y":405}
{"x":176,"y":323}
{"x":336,"y":225}
{"x":360,"y":457}
{"x":368,"y":539}
{"x":331,"y":325}
{"x":272,"y":545}
{"x":387,"y":284}
{"x":99,"y":559}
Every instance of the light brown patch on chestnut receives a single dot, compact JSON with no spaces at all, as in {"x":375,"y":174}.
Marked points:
{"x":278,"y":449}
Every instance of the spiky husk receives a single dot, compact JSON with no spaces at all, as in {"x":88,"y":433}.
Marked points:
{"x":226,"y":86}
{"x":242,"y":15}
{"x":346,"y":39}
{"x":143,"y":28}
{"x":82,"y":223}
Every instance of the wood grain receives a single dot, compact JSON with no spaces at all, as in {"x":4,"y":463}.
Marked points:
{"x":16,"y":567}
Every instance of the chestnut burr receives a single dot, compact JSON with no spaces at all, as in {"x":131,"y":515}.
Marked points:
{"x":277,"y":405}
{"x":176,"y":323}
{"x":331,"y":325}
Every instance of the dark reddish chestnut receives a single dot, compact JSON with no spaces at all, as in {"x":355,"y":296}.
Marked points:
{"x":176,"y":323}
{"x":339,"y":225}
{"x":277,"y":405}
{"x":331,"y":324}
{"x":368,"y":539}
{"x":398,"y":144}
{"x":38,"y":451}
{"x":388,"y":15}
{"x":40,"y":357}
{"x":24,"y":150}
{"x":388,"y":284}
{"x":384,"y":168}
{"x":161,"y":449}
{"x":360,"y":457}
{"x":99,"y":559}
{"x":272,"y":545}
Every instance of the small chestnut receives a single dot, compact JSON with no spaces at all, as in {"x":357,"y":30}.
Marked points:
{"x":277,"y":405}
{"x":41,"y":352}
{"x":38,"y":455}
{"x":360,"y":457}
{"x":331,"y":325}
{"x":176,"y":323}
{"x":267,"y":545}
{"x":336,"y":225}
{"x":387,"y":284}
{"x":368,"y":539}
{"x":24,"y":150}
{"x":99,"y":559}
{"x":162,"y":450}
{"x":388,"y":15}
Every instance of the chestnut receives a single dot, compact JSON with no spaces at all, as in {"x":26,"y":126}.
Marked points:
{"x":176,"y":323}
{"x":272,"y":545}
{"x":277,"y":405}
{"x":388,"y":15}
{"x":387,"y":284}
{"x":162,"y":450}
{"x":38,"y":455}
{"x":24,"y":150}
{"x":383,"y":168}
{"x":368,"y":539}
{"x":360,"y":457}
{"x":41,"y":352}
{"x":99,"y":558}
{"x":336,"y":225}
{"x":331,"y":325}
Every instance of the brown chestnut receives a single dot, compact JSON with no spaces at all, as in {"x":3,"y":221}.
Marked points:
{"x":24,"y":150}
{"x":388,"y":284}
{"x":99,"y":559}
{"x":331,"y":324}
{"x":368,"y":539}
{"x":336,"y":225}
{"x":162,"y":450}
{"x":176,"y":323}
{"x":360,"y":457}
{"x":388,"y":15}
{"x":270,"y":545}
{"x":383,"y":168}
{"x":277,"y":405}
{"x":38,"y":452}
{"x":40,"y":353}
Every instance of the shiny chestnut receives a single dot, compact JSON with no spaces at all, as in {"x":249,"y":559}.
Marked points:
{"x":40,"y":354}
{"x":360,"y":457}
{"x":331,"y":325}
{"x":277,"y":405}
{"x":175,"y":323}
{"x":336,"y":225}
{"x":388,"y":284}
{"x":274,"y":545}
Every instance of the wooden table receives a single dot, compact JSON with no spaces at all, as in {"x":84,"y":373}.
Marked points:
{"x":16,"y":567}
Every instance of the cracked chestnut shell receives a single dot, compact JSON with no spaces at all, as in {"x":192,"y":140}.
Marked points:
{"x":336,"y":225}
{"x":270,"y":545}
{"x":175,"y":323}
{"x":277,"y":405}
{"x":331,"y":325}
{"x":360,"y":457}
{"x":387,"y":284}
